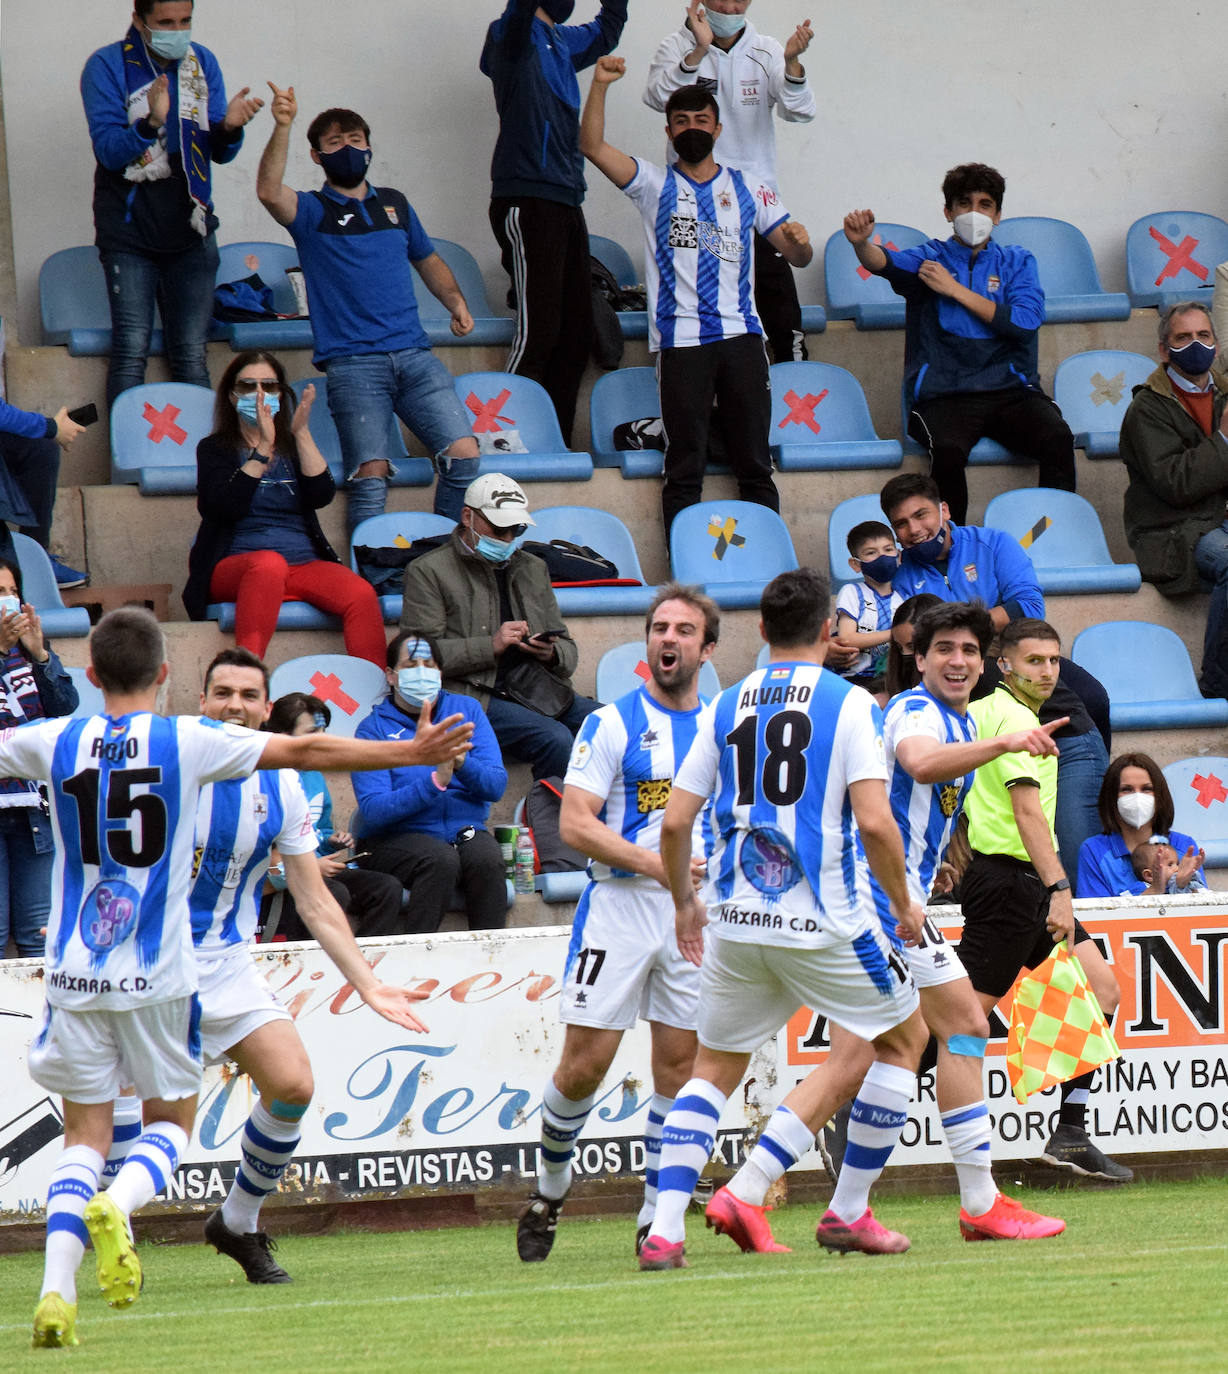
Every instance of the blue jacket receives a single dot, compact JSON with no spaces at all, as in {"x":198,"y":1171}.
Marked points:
{"x":983,"y":565}
{"x":26,"y":423}
{"x":406,"y":799}
{"x":948,"y":350}
{"x":1105,"y":869}
{"x":533,"y":68}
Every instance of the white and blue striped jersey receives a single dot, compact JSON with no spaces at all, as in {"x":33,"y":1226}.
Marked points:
{"x":700,"y":258}
{"x":780,"y":750}
{"x":627,"y":753}
{"x":123,"y":797}
{"x":237,"y":823}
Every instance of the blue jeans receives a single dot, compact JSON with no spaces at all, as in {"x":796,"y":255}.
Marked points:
{"x":540,"y":741}
{"x":1211,"y":559}
{"x":26,"y":856}
{"x":1080,"y":771}
{"x":365,"y":391}
{"x":182,"y":285}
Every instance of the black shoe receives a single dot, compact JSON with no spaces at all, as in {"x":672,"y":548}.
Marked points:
{"x":536,"y":1226}
{"x":252,"y":1251}
{"x":1070,"y":1148}
{"x":832,"y":1140}
{"x":641,"y":1235}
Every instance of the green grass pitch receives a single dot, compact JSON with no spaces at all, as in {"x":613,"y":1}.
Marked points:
{"x":1136,"y":1283}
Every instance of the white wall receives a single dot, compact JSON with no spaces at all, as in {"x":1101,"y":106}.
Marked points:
{"x":1096,"y":112}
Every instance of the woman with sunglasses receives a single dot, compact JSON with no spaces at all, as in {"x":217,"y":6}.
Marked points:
{"x":260,"y":479}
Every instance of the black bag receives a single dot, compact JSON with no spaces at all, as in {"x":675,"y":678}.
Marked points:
{"x":607,"y":340}
{"x":568,"y":562}
{"x":385,"y":568}
{"x":528,"y":682}
{"x":541,"y":815}
{"x":634,"y":435}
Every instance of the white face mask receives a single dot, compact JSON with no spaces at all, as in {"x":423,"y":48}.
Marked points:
{"x":1136,"y":808}
{"x":972,"y":228}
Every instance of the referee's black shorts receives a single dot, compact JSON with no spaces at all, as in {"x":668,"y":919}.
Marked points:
{"x":1005,"y":906}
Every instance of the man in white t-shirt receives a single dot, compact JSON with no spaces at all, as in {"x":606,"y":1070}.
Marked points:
{"x":700,"y":219}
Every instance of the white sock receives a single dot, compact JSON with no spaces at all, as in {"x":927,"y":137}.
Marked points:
{"x":880,"y":1110}
{"x":74,"y":1181}
{"x":151,"y":1161}
{"x":268,"y":1145}
{"x":658,"y":1109}
{"x":125,"y":1132}
{"x":562,"y":1122}
{"x":782,"y":1144}
{"x":967,"y":1133}
{"x":687,"y":1139}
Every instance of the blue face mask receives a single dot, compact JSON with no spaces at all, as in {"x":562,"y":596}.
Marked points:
{"x":1194,"y":359}
{"x":246,"y":406}
{"x":929,"y":551}
{"x":170,"y":44}
{"x":494,"y":550}
{"x":347,"y":165}
{"x":725,"y":25}
{"x":880,"y":569}
{"x":418,"y":685}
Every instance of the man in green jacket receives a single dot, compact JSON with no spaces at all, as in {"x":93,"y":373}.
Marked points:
{"x":1174,"y":447}
{"x":490,"y":609}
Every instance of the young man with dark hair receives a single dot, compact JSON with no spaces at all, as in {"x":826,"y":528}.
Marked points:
{"x":974,"y":310}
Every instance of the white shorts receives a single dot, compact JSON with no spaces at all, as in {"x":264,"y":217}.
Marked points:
{"x":623,"y":961}
{"x":748,"y":991}
{"x":935,"y":962}
{"x":235,"y":1000}
{"x":89,"y":1056}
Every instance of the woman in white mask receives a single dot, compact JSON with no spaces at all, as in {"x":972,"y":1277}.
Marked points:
{"x":1135,"y":806}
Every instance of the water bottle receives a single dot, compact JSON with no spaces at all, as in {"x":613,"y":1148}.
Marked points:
{"x":524,"y":860}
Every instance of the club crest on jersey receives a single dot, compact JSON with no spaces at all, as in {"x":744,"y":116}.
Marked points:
{"x":652,"y":795}
{"x":768,"y":862}
{"x":392,"y":214}
{"x":970,"y":572}
{"x":948,"y":798}
{"x":108,"y":915}
{"x":581,"y":754}
{"x":994,"y":283}
{"x":260,"y":806}
{"x":725,"y":200}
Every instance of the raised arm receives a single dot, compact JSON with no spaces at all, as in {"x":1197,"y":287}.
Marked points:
{"x":616,"y":165}
{"x":431,"y":744}
{"x":858,"y":229}
{"x":926,"y":760}
{"x":792,"y":242}
{"x":277,"y":198}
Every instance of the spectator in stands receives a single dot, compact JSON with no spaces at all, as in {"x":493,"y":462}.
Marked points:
{"x":956,"y":562}
{"x":427,"y":826}
{"x":355,"y":245}
{"x":1175,"y":449}
{"x":901,"y":668}
{"x":973,"y":312}
{"x":751,"y":75}
{"x":145,"y":97}
{"x":35,"y":685}
{"x":699,"y":224}
{"x":371,"y":901}
{"x":531,"y":56}
{"x":489,"y":609}
{"x":260,"y":478}
{"x":30,"y":447}
{"x":1135,"y":807}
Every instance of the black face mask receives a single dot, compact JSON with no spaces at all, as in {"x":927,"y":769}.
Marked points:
{"x":693,"y":145}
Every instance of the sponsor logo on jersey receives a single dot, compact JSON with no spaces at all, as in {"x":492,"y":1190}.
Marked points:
{"x":649,"y":738}
{"x":682,"y":232}
{"x":722,"y":243}
{"x":345,"y":219}
{"x":652,"y":795}
{"x":108,"y":915}
{"x":750,"y":92}
{"x":768,"y":862}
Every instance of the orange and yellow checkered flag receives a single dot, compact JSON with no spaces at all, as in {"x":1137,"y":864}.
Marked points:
{"x":1057,"y":1029}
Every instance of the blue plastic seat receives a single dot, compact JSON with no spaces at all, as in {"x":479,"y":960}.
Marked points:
{"x":858,"y":295}
{"x":847,"y":514}
{"x":293,"y":615}
{"x":1093,"y":391}
{"x":1200,"y":804}
{"x":155,"y":429}
{"x":396,"y":528}
{"x":624,"y":668}
{"x":500,"y":402}
{"x":1148,"y":675}
{"x":633,"y":323}
{"x":350,"y":686}
{"x":406,"y":471}
{"x":1063,"y":537}
{"x":39,"y":588}
{"x":269,"y":261}
{"x":72,"y":300}
{"x":89,"y":697}
{"x":488,"y":327}
{"x":628,"y":393}
{"x":1171,"y":256}
{"x":733,"y":549}
{"x":1067,"y":269}
{"x":608,"y":536}
{"x":821,"y":422}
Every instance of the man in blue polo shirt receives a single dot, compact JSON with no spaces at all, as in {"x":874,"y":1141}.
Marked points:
{"x":355,"y":245}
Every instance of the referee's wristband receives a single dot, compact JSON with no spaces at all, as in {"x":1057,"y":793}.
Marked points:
{"x":1062,"y":885}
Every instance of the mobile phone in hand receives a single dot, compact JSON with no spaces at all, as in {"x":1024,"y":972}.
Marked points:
{"x":546,"y":636}
{"x":84,"y":415}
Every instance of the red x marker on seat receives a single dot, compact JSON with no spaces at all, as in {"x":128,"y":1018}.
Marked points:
{"x":328,"y":688}
{"x":864,"y":272}
{"x":1179,"y":255}
{"x":162,"y":424}
{"x":801,"y":410}
{"x":641,"y":671}
{"x":487,"y":419}
{"x":1209,"y":790}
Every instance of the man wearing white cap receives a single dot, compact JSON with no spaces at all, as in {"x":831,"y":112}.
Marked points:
{"x":489,"y":608}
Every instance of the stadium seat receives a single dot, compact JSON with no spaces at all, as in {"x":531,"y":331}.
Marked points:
{"x":269,"y":262}
{"x":858,"y":295}
{"x":89,"y":697}
{"x":406,"y":471}
{"x":396,"y":528}
{"x":1148,"y":675}
{"x":1171,"y":256}
{"x":985,"y":452}
{"x":607,"y":535}
{"x":847,"y":514}
{"x":820,"y":421}
{"x":733,"y":549}
{"x":623,"y":668}
{"x":1092,"y":391}
{"x":154,"y":432}
{"x":293,"y":615}
{"x":504,"y":404}
{"x":72,"y":300}
{"x":1067,"y":269}
{"x":628,"y":393}
{"x":633,"y":323}
{"x":39,"y":588}
{"x":350,"y":686}
{"x":1063,"y":537}
{"x":488,"y":327}
{"x":1200,"y":804}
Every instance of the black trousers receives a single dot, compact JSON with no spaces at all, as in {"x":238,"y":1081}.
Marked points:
{"x":372,"y":901}
{"x":1019,"y":418}
{"x":545,"y":252}
{"x":433,"y":869}
{"x":733,"y":372}
{"x":776,"y":302}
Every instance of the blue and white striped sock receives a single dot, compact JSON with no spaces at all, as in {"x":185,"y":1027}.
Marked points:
{"x":125,"y":1132}
{"x":74,"y":1181}
{"x":150,"y":1163}
{"x":967,"y":1133}
{"x":880,"y":1110}
{"x":785,"y":1141}
{"x":562,"y":1122}
{"x":267,"y":1146}
{"x":687,"y":1139}
{"x":658,"y":1109}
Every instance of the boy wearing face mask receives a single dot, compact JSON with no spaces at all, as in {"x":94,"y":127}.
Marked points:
{"x":865,"y":609}
{"x":974,"y":308}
